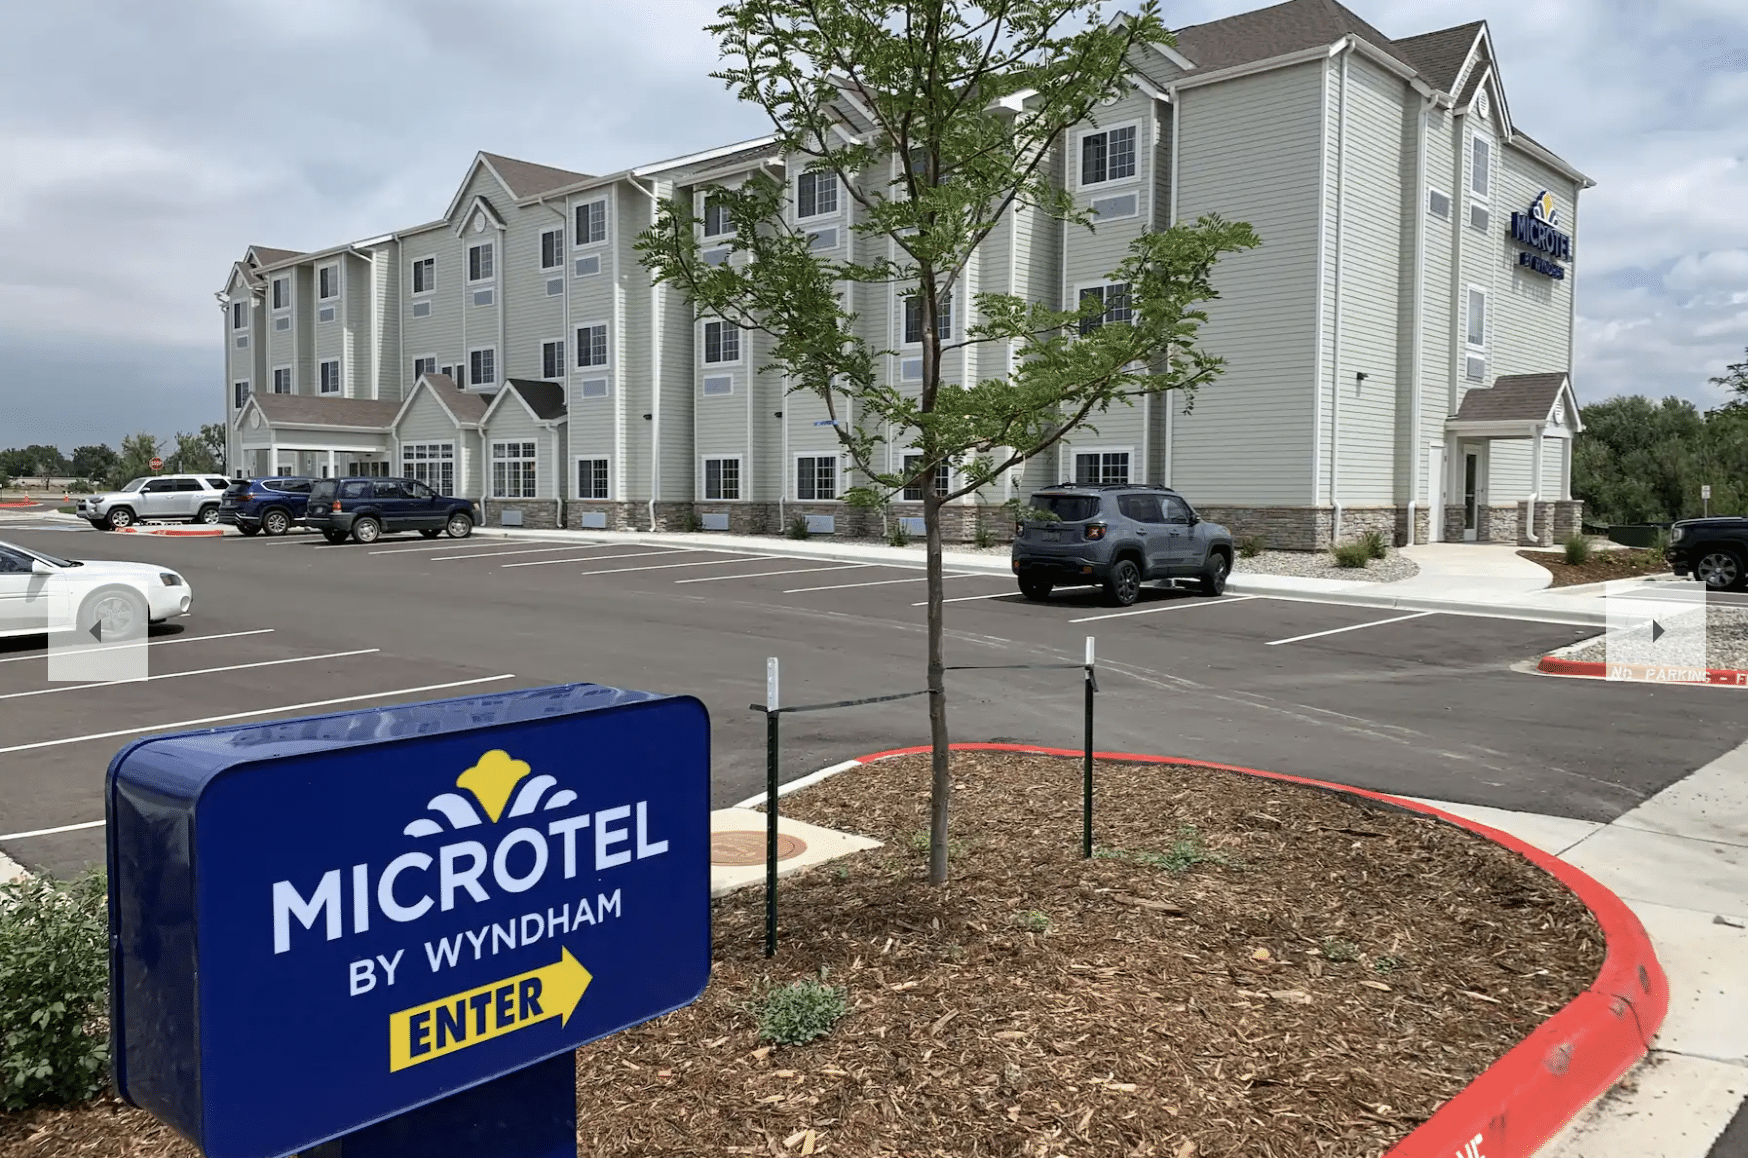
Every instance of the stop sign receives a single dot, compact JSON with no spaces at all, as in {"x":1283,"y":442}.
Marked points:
{"x":157,"y":464}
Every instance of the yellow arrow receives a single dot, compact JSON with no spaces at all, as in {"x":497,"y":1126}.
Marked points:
{"x":452,"y":1023}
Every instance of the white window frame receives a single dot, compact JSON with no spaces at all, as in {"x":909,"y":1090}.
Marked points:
{"x":339,"y":378}
{"x":577,"y":241}
{"x":1469,"y":293}
{"x":740,"y":478}
{"x":527,"y":472}
{"x":558,"y":233}
{"x":490,"y":247}
{"x":334,"y":282}
{"x":239,"y":308}
{"x":420,"y":468}
{"x":703,"y":208}
{"x":606,"y":381}
{"x":740,"y":344}
{"x":493,"y":351}
{"x":1074,"y":453}
{"x":290,"y":379}
{"x":429,"y":361}
{"x":942,"y":486}
{"x":576,"y":476}
{"x":241,"y":388}
{"x":273,"y":291}
{"x":1081,"y":287}
{"x":592,"y":368}
{"x":733,"y":385}
{"x":794,"y":482}
{"x":413,"y":276}
{"x":902,"y":310}
{"x":837,"y":195}
{"x":1075,"y":158}
{"x":1481,"y":196}
{"x":546,"y":348}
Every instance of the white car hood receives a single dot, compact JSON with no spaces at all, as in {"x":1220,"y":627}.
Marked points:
{"x":109,"y":569}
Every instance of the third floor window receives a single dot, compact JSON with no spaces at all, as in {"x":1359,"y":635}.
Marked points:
{"x":1107,"y":156}
{"x":328,"y":282}
{"x":479,"y":262}
{"x":716,"y":218}
{"x":552,"y":249}
{"x":424,"y":275}
{"x":592,"y":223}
{"x":816,"y":193}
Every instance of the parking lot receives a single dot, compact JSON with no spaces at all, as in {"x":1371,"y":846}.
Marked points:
{"x":1423,"y":704}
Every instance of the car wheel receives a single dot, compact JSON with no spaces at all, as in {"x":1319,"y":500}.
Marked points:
{"x":276,"y":522}
{"x":1124,"y":586}
{"x":1035,"y":587}
{"x":335,"y":537}
{"x":1719,"y":570}
{"x":117,"y":613}
{"x":207,"y":515}
{"x":459,"y":526}
{"x":1214,"y":573}
{"x":249,"y":532}
{"x":118,"y":518}
{"x":366,"y":530}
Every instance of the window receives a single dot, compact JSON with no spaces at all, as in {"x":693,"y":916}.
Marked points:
{"x":1480,"y":173}
{"x":281,"y":293}
{"x":1438,"y":204}
{"x":239,"y":316}
{"x":424,"y":275}
{"x":816,"y":193}
{"x":328,"y":282}
{"x":1114,"y":297}
{"x":722,"y":478}
{"x":479,"y":262}
{"x":482,"y":367}
{"x":592,"y":345}
{"x":552,"y":249}
{"x":512,"y":470}
{"x":1141,"y":508}
{"x":591,"y":478}
{"x":721,"y":342}
{"x":1107,"y":156}
{"x":943,"y":478}
{"x":423,"y":366}
{"x":1477,"y":323}
{"x":552,"y":359}
{"x":1102,"y":468}
{"x":328,"y":380}
{"x":282,"y":379}
{"x":816,"y":478}
{"x":1176,"y":510}
{"x":913,"y":319}
{"x":239,"y":394}
{"x":716,"y":218}
{"x":592,"y":223}
{"x":432,"y":463}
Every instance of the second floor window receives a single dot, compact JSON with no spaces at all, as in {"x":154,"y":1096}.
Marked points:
{"x":913,"y":318}
{"x":482,"y":367}
{"x":282,"y":380}
{"x":1114,"y":297}
{"x":479,"y":262}
{"x":592,"y":223}
{"x":422,"y":366}
{"x":721,"y":342}
{"x":1107,"y":156}
{"x":552,"y":249}
{"x":239,"y":394}
{"x":552,"y":359}
{"x":425,"y":275}
{"x":716,"y":218}
{"x":328,"y":282}
{"x":1477,"y":335}
{"x":592,"y":345}
{"x":816,"y":193}
{"x":329,"y":379}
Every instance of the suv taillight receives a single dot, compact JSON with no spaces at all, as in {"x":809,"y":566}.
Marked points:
{"x":336,"y":505}
{"x":1095,"y":531}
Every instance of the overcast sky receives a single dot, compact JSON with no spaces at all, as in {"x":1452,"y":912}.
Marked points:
{"x":147,"y":145}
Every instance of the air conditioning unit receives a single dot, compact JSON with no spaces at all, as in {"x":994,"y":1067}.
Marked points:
{"x":325,"y":314}
{"x":911,"y":369}
{"x":1438,"y":204}
{"x":282,"y":323}
{"x":483,"y":297}
{"x":1108,"y":207}
{"x":554,"y":287}
{"x":714,"y":520}
{"x":421,"y":309}
{"x":1475,"y":369}
{"x":715,"y":256}
{"x":1478,"y":216}
{"x":719,"y":384}
{"x":588,"y":266}
{"x":823,"y":239}
{"x":592,"y":388}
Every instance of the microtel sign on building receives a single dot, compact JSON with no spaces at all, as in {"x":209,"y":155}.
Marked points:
{"x":319,"y":924}
{"x":1538,"y":229}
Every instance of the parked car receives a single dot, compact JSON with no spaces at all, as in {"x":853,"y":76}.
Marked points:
{"x":271,"y":505}
{"x":193,"y":498}
{"x":1713,"y":551}
{"x":41,"y":593}
{"x":1117,"y":537}
{"x":368,"y":508}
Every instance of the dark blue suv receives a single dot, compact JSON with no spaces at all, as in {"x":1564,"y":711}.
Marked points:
{"x":366,"y":508}
{"x":271,"y":505}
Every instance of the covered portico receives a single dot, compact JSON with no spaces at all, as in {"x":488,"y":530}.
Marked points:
{"x":1507,"y":469}
{"x":318,"y":437}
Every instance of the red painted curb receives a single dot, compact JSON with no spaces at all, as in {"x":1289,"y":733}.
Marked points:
{"x":172,"y":531}
{"x":8,"y":506}
{"x":1639,"y":672}
{"x":1567,"y":1062}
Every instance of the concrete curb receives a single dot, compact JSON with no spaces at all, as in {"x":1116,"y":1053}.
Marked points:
{"x":1640,"y":672}
{"x":1522,"y":1100}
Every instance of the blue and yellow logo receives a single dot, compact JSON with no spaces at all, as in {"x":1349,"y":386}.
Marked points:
{"x":1542,"y":209}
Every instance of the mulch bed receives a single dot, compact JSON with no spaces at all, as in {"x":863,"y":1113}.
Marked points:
{"x":1246,"y":968}
{"x":1602,"y":565}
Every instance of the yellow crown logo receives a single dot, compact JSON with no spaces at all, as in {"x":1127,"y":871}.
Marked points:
{"x":493,"y":779}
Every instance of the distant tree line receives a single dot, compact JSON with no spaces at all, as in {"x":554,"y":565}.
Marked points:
{"x":1643,"y":461}
{"x":106,"y":467}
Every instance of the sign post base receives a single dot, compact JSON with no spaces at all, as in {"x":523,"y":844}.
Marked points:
{"x":531,"y":1113}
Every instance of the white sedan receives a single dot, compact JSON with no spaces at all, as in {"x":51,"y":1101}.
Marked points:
{"x":41,"y":593}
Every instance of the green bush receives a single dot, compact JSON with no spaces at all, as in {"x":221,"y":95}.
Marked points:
{"x":1577,"y":550}
{"x":1355,"y":554}
{"x":798,"y":1012}
{"x":1250,"y":546}
{"x":54,"y":991}
{"x":1336,"y":949}
{"x":79,"y":487}
{"x":1033,"y":921}
{"x":692,"y":524}
{"x":896,"y":535}
{"x":797,"y":528}
{"x":983,"y":536}
{"x":1375,"y":545}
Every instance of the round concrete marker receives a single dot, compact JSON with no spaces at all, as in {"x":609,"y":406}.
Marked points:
{"x":745,"y":847}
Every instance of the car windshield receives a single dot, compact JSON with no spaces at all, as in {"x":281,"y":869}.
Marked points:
{"x":52,"y":560}
{"x":135,"y":485}
{"x":1068,"y":508}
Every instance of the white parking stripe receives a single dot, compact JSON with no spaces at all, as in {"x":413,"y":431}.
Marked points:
{"x":154,"y":643}
{"x":670,"y":566}
{"x":392,"y":549}
{"x":591,"y":559}
{"x":969,"y":598}
{"x":257,"y":712}
{"x":171,"y":675}
{"x":1174,"y":605}
{"x":1355,"y":627}
{"x":763,"y":574}
{"x":523,"y":551}
{"x":885,"y":582}
{"x":52,"y":831}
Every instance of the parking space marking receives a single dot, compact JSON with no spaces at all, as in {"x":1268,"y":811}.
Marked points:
{"x":1174,"y":605}
{"x":592,"y":558}
{"x":525,"y":551}
{"x":969,"y":598}
{"x":403,"y":549}
{"x":257,"y":712}
{"x":153,"y":643}
{"x":1354,"y":627}
{"x":52,"y":831}
{"x":886,"y":582}
{"x":671,"y":566}
{"x":795,"y":571}
{"x":171,"y":675}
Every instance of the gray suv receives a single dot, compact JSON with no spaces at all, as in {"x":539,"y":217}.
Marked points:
{"x":1117,"y":537}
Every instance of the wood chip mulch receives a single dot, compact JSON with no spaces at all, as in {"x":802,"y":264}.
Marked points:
{"x":1603,"y":564}
{"x":1246,"y":968}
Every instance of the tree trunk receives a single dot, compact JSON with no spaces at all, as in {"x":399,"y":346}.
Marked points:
{"x":940,"y":786}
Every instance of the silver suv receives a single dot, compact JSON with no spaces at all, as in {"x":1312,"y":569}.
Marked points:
{"x":1117,"y":537}
{"x":190,"y":498}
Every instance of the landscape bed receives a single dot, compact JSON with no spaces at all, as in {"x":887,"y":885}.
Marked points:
{"x":1247,"y":967}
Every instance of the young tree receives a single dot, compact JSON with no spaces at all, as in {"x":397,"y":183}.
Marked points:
{"x":193,"y":455}
{"x":135,"y":460}
{"x":212,"y":439}
{"x":962,"y":107}
{"x":94,"y":462}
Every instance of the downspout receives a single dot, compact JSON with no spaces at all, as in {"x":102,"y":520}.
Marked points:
{"x":617,"y":354}
{"x":655,"y":367}
{"x":1529,"y":525}
{"x":1322,"y":280}
{"x":1419,"y":321}
{"x":401,"y":325}
{"x":558,"y":473}
{"x":1335,"y":337}
{"x":1177,"y":109}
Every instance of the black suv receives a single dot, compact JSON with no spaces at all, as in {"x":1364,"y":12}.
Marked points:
{"x":1713,"y":551}
{"x":270,"y":505}
{"x":1117,"y":537}
{"x":368,"y":508}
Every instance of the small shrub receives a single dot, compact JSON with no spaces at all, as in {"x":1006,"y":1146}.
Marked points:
{"x":1335,"y":949}
{"x":691,"y":523}
{"x":1250,"y":546}
{"x":1660,"y":543}
{"x":983,"y":537}
{"x":79,"y":487}
{"x":1185,"y":853}
{"x":1032,"y":921}
{"x":1577,"y":550}
{"x":798,"y":1012}
{"x":1387,"y":964}
{"x":54,"y":991}
{"x":896,"y":535}
{"x":797,"y":528}
{"x":1375,"y":545}
{"x":1353,"y":555}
